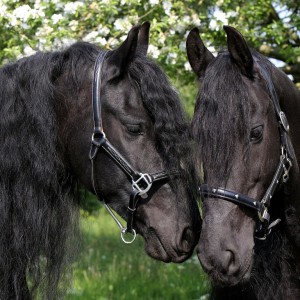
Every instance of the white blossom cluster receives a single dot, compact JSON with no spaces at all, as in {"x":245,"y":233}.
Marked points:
{"x":45,"y":25}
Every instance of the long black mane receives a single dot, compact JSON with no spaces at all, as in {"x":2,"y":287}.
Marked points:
{"x":38,"y":199}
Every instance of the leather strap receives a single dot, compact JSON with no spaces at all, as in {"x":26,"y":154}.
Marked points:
{"x":98,"y":128}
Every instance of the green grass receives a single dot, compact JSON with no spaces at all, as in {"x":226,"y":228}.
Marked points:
{"x":109,"y":269}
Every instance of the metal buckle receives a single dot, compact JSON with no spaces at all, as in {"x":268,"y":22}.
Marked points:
{"x":102,"y":138}
{"x":284,"y":121}
{"x":264,"y":215}
{"x":284,"y":158}
{"x":136,"y":184}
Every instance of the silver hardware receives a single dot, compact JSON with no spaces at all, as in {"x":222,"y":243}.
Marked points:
{"x":264,"y":216}
{"x":262,"y":238}
{"x":284,"y":121}
{"x":146,"y":178}
{"x":93,"y":137}
{"x":123,"y":233}
{"x":122,"y":228}
{"x":274,"y":223}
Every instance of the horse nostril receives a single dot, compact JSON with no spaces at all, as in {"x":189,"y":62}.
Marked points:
{"x":230,"y":263}
{"x":187,"y":241}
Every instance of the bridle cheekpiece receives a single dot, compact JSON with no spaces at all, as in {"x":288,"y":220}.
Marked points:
{"x":141,"y":182}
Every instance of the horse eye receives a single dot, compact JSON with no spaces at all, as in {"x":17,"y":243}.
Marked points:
{"x":134,"y":129}
{"x":256,"y":134}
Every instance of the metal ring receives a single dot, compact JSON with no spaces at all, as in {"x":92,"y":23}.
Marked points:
{"x":123,"y":232}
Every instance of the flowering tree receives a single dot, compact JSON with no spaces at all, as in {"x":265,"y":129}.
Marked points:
{"x":270,"y":25}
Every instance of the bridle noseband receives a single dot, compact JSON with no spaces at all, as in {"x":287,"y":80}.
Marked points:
{"x":141,"y":182}
{"x":281,"y":175}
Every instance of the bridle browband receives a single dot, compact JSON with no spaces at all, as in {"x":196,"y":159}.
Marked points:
{"x":281,"y":175}
{"x":141,"y":182}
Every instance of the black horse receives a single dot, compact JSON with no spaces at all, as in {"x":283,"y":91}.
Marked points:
{"x":46,"y":128}
{"x":250,"y":158}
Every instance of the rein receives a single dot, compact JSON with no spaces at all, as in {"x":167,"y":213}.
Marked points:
{"x":281,"y":175}
{"x":141,"y":182}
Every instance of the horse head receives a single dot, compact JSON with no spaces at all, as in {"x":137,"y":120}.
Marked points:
{"x":144,"y":123}
{"x":246,"y":154}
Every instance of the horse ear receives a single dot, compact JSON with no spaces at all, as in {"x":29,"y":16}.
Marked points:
{"x":239,"y":50}
{"x":143,"y":39}
{"x":120,"y":58}
{"x":199,"y":56}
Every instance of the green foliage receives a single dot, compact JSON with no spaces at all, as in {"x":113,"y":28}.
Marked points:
{"x":31,"y":25}
{"x":110,"y":269}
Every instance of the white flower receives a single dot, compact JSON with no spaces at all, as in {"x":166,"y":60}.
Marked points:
{"x":56,"y":18}
{"x":112,"y":42}
{"x":123,"y":38}
{"x":28,"y":51}
{"x":101,"y":41}
{"x":73,"y":25}
{"x":3,"y":9}
{"x":212,"y":49}
{"x":167,"y":5}
{"x":171,"y":58}
{"x":71,"y":7}
{"x":153,"y":51}
{"x":22,"y":12}
{"x":103,"y":30}
{"x":153,"y":2}
{"x":221,"y":16}
{"x":161,"y":38}
{"x":44,"y":31}
{"x":182,"y":46}
{"x":91,"y":36}
{"x":195,"y":20}
{"x":187,"y":66}
{"x":213,"y":24}
{"x":122,"y":25}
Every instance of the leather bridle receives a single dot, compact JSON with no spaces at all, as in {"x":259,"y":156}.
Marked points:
{"x":281,"y":175}
{"x":141,"y":182}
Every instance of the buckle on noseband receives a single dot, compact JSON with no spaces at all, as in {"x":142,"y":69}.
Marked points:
{"x":142,"y":184}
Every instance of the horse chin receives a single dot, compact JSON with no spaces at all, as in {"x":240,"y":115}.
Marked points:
{"x":241,"y":279}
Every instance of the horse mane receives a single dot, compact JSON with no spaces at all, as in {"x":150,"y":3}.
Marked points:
{"x":37,"y":204}
{"x":38,"y":195}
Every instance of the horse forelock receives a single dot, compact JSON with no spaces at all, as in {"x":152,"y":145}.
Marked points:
{"x":221,"y":116}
